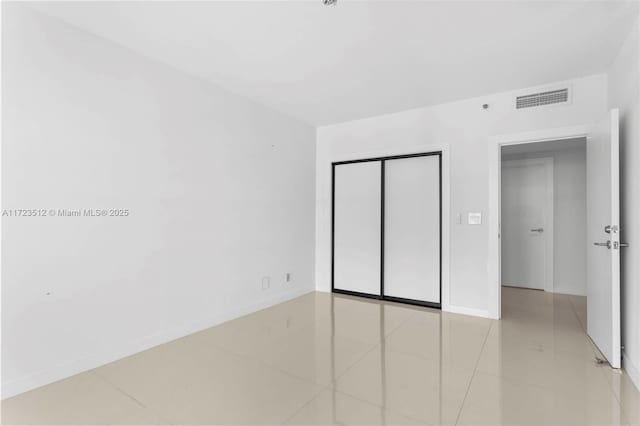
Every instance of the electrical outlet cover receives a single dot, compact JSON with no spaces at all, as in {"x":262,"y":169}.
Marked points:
{"x":266,"y":283}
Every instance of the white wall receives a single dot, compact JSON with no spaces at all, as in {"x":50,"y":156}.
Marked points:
{"x":220,"y":190}
{"x":463,"y":128}
{"x":624,"y":93}
{"x":569,"y":216}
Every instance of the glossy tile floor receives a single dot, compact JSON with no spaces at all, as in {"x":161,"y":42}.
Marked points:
{"x":323,"y":359}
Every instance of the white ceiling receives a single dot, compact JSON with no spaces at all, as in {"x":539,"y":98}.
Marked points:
{"x":327,"y":64}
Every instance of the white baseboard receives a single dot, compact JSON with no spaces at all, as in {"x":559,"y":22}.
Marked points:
{"x":107,"y":355}
{"x":632,"y":370}
{"x":466,"y":311}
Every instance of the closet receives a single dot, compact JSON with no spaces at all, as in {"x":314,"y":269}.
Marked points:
{"x":386,"y":228}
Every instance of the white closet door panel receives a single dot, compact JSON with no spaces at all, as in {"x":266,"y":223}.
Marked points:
{"x":357,"y":223}
{"x":412,"y":228}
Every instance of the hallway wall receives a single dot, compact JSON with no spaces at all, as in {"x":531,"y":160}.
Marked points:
{"x":569,"y":216}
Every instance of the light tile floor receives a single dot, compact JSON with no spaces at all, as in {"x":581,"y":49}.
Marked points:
{"x":330,"y":359}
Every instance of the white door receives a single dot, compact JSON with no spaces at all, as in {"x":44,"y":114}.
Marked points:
{"x":527,"y":223}
{"x":357,"y":227}
{"x":603,"y":238}
{"x":412,"y":228}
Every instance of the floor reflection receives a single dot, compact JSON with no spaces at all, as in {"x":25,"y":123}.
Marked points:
{"x":334,"y":359}
{"x":392,"y":375}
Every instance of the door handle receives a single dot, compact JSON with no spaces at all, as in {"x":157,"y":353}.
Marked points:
{"x":607,"y":244}
{"x":620,"y":245}
{"x":537,"y":230}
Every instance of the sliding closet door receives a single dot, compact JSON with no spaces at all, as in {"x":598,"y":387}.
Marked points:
{"x":357,"y":227}
{"x":412,"y":228}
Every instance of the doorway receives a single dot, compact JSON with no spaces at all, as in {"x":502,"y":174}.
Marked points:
{"x":543,"y":223}
{"x":603,"y":243}
{"x":543,"y":216}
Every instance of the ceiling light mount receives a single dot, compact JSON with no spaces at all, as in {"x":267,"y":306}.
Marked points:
{"x":329,"y":2}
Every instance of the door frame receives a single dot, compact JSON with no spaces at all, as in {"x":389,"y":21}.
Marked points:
{"x":548,"y":164}
{"x":382,"y":227}
{"x":495,"y":143}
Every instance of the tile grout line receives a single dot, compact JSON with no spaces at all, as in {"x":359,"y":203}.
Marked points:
{"x":305,"y":404}
{"x":391,"y":410}
{"x":475,"y":370}
{"x":137,"y":401}
{"x":263,"y":363}
{"x":356,"y":397}
{"x":322,"y":387}
{"x":248,"y":357}
{"x":117,"y":388}
{"x":378,"y":344}
{"x":332,"y":386}
{"x":364,"y":355}
{"x":414,"y":314}
{"x":244,"y":358}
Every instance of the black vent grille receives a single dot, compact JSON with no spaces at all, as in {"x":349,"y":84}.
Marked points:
{"x":542,"y":98}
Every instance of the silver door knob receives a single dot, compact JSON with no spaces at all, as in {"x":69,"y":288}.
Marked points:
{"x":537,"y":230}
{"x":607,"y":244}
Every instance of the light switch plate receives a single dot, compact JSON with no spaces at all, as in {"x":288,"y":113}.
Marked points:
{"x":475,"y":219}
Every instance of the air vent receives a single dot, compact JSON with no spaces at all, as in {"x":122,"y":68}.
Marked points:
{"x":542,"y":98}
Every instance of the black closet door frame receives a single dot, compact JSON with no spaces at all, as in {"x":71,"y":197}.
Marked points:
{"x":382,"y":160}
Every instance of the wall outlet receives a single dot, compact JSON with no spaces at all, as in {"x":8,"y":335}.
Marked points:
{"x":266,"y":283}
